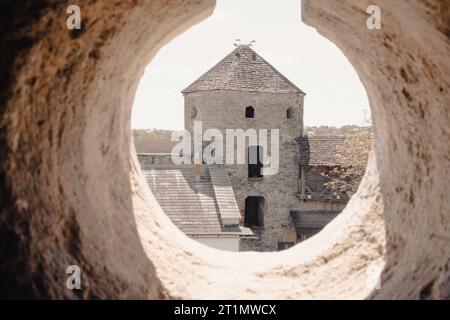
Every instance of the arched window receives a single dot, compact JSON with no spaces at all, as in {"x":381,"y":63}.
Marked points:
{"x":289,"y":113}
{"x":194,"y":113}
{"x":249,"y":112}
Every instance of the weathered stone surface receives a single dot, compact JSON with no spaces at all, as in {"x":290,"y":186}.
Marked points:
{"x":71,"y":194}
{"x":225,"y":110}
{"x":66,"y":190}
{"x":406,"y":71}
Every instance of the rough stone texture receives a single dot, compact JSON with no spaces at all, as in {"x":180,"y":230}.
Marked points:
{"x":66,"y":188}
{"x":64,"y":129}
{"x":406,"y":71}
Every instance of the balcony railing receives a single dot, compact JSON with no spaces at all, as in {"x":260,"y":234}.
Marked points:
{"x":316,"y":189}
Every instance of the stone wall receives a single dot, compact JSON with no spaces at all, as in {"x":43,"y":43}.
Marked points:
{"x":225,"y":109}
{"x":71,"y":192}
{"x":148,"y":159}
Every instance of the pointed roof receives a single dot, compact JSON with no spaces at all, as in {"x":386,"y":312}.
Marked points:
{"x":244,"y":70}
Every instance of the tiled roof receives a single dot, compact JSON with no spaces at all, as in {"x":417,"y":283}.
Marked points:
{"x":243,"y":69}
{"x":191,"y":204}
{"x":308,"y":223}
{"x":321,"y":150}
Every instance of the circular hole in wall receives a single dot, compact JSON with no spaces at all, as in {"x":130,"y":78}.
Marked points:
{"x":67,"y":115}
{"x":325,"y":136}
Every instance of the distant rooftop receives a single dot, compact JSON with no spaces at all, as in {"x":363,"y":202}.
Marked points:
{"x":309,"y":223}
{"x":198,"y":207}
{"x":321,"y":150}
{"x":243,"y":70}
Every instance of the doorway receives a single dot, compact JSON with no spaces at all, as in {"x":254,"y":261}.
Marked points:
{"x":254,"y":212}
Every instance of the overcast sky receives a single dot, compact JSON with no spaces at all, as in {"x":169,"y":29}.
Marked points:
{"x":334,"y":93}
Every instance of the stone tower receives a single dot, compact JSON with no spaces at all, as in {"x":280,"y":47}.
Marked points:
{"x":243,"y":91}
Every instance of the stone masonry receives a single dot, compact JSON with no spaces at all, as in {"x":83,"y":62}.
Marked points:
{"x":221,"y":104}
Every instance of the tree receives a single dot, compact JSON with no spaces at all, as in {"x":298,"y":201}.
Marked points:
{"x":352,"y":156}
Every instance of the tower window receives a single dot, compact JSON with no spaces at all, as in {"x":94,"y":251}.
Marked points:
{"x":289,"y":113}
{"x":254,"y":211}
{"x":249,"y":112}
{"x":194,"y":113}
{"x":255,"y":162}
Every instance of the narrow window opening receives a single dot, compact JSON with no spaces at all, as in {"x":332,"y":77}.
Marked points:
{"x":194,"y":113}
{"x":249,"y":112}
{"x":289,"y":113}
{"x":255,"y":162}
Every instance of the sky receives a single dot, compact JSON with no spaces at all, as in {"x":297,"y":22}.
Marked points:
{"x":334,"y":94}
